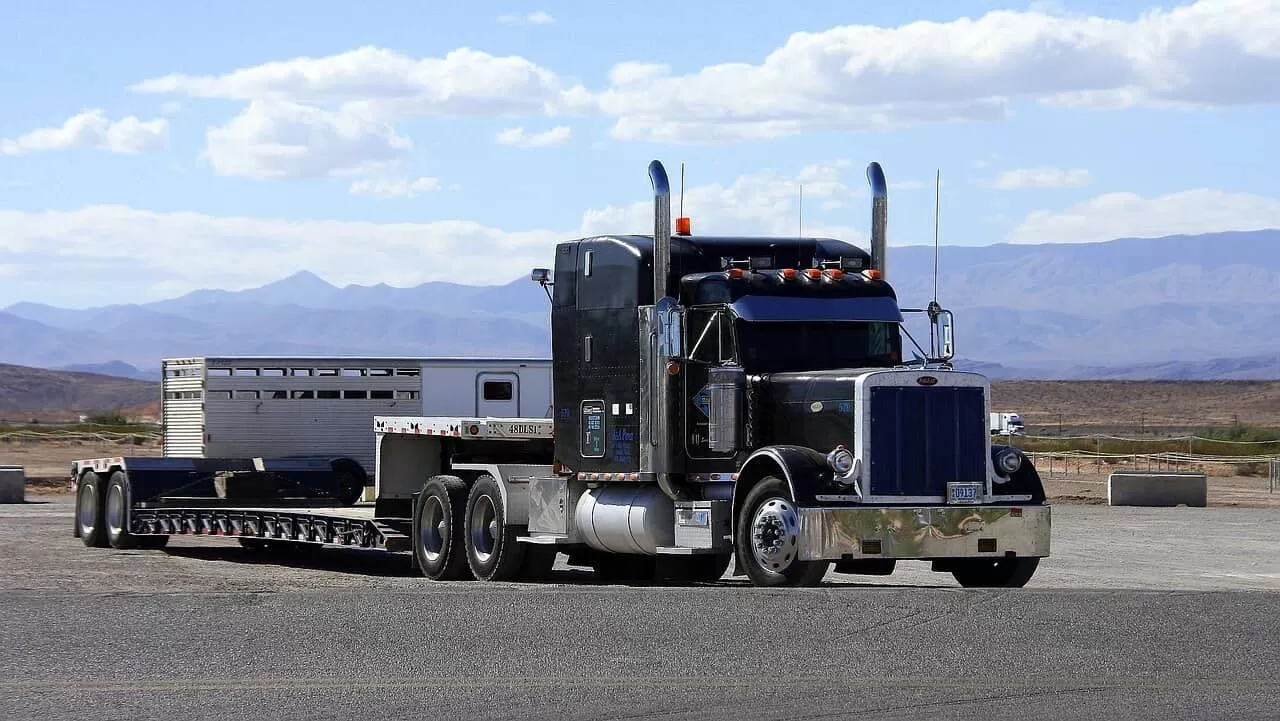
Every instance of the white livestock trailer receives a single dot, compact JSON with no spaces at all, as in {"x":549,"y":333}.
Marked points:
{"x":281,"y":406}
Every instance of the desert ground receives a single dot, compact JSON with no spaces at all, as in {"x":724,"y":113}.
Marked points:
{"x":1138,"y":407}
{"x":1132,"y":409}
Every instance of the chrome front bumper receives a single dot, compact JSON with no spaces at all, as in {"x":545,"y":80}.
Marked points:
{"x":929,"y":532}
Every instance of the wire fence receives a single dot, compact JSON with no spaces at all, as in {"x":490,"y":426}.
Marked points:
{"x":79,"y":437}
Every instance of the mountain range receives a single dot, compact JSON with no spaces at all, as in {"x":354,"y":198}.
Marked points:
{"x":1174,"y":307}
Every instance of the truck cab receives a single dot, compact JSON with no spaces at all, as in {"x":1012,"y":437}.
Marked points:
{"x":767,"y":373}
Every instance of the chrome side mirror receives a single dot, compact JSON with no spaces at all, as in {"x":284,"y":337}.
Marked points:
{"x":943,"y":334}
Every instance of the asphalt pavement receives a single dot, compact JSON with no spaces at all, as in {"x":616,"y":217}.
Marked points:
{"x":1140,"y":613}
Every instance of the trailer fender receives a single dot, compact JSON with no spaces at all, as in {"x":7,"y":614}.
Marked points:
{"x":513,"y":483}
{"x":804,"y":470}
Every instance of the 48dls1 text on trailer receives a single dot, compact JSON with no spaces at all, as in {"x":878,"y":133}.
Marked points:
{"x":713,"y":400}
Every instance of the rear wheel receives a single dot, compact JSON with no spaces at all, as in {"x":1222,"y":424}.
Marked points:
{"x":116,"y":517}
{"x":1007,"y":572}
{"x":767,"y":538}
{"x":89,"y":510}
{"x":493,"y":552}
{"x":440,"y":545}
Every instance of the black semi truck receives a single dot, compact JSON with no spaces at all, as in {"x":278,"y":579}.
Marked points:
{"x":715,"y":401}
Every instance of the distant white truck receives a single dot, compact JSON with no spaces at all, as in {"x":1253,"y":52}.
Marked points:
{"x":1006,"y":424}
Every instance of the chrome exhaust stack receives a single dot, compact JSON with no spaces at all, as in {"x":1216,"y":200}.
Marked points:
{"x":661,"y":333}
{"x":879,"y":216}
{"x":661,"y":229}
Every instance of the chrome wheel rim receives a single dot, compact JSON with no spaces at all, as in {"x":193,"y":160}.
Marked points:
{"x":115,"y":510}
{"x":432,"y":529}
{"x":484,"y":529}
{"x":88,"y":502}
{"x":775,"y":534}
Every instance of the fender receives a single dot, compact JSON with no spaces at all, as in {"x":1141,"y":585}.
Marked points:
{"x":1024,"y":481}
{"x":804,"y":469}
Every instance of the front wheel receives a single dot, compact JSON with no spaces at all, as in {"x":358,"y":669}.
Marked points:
{"x":1008,"y":572}
{"x":767,"y":538}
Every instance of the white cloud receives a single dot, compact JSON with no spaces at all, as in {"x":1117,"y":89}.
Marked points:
{"x":170,"y":107}
{"x":381,"y":83}
{"x":763,"y":203}
{"x":1042,"y":177}
{"x":135,"y":247}
{"x":394,"y":187}
{"x":558,"y":135}
{"x":280,"y":139}
{"x":1125,"y":215}
{"x":110,"y":247}
{"x":1212,"y":52}
{"x":534,"y":18}
{"x":92,"y":129}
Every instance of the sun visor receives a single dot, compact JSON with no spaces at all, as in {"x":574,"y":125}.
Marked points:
{"x":767,"y":308}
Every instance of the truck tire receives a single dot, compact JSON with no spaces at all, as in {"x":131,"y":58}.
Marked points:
{"x":115,"y":517}
{"x":440,"y":543}
{"x":766,"y":538}
{"x":1008,"y":572}
{"x":89,"y":510}
{"x":493,"y":553}
{"x":351,"y":480}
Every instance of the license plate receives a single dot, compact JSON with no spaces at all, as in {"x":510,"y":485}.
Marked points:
{"x":964,"y":492}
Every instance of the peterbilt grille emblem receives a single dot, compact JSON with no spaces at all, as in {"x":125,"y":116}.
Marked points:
{"x":926,"y":380}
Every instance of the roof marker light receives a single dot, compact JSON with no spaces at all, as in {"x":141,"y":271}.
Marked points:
{"x":872,"y":274}
{"x":735,"y":272}
{"x":683,"y":226}
{"x":788,"y":273}
{"x":836,"y":274}
{"x":813,"y":273}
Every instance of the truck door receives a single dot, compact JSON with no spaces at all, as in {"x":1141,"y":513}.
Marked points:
{"x":498,"y":395}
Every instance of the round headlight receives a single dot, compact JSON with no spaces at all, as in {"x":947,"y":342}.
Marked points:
{"x":840,"y":460}
{"x":1008,"y":461}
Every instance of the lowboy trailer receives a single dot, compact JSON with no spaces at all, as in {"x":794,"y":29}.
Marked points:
{"x":714,"y":399}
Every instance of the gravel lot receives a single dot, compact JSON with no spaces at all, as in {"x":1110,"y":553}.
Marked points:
{"x":1145,"y":613}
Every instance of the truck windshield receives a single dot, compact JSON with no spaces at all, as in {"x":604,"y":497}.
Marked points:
{"x":817,"y":345}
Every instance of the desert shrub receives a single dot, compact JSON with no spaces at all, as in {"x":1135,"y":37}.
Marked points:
{"x":108,"y":418}
{"x":1241,"y":432}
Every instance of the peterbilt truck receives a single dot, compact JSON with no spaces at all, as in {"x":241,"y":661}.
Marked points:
{"x":715,"y":400}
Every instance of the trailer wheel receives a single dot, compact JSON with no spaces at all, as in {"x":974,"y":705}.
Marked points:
{"x":89,"y":509}
{"x":1009,"y":572}
{"x":493,"y":552}
{"x":766,"y":538}
{"x":351,"y":481}
{"x":440,"y":545}
{"x":116,"y":517}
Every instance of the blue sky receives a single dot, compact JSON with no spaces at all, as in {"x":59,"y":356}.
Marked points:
{"x":231,"y":144}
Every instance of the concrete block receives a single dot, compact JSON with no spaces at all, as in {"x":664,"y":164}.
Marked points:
{"x":1157,"y":489}
{"x":13,"y":484}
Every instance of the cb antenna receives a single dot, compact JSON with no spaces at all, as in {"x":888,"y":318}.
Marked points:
{"x":937,"y":202}
{"x":681,"y":190}
{"x":800,"y":212}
